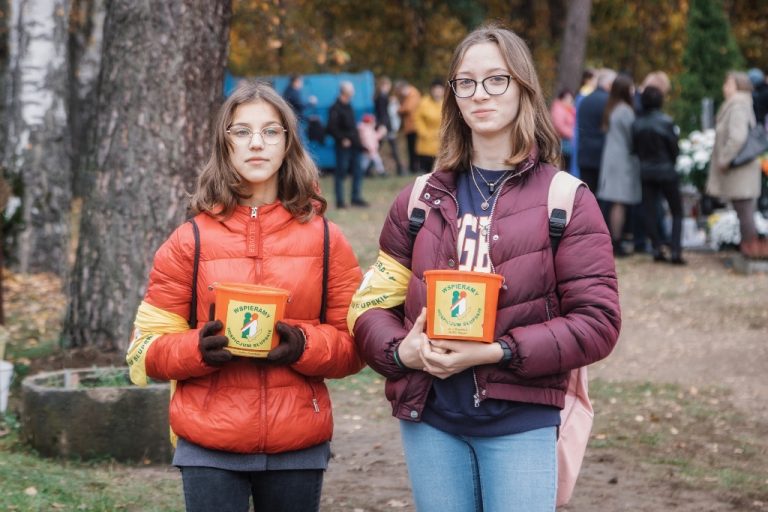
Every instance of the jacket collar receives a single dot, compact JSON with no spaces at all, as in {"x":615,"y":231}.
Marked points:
{"x":447,"y":179}
{"x":271,"y":217}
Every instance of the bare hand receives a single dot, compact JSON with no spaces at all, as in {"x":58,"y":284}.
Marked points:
{"x":409,"y":348}
{"x":443,"y":358}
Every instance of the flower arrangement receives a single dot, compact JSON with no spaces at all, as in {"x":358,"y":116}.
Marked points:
{"x":724,"y":228}
{"x":693,"y":161}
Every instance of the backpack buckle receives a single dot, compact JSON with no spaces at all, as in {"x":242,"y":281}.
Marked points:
{"x":557,"y":222}
{"x":416,"y":220}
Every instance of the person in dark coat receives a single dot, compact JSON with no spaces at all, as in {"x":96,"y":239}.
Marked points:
{"x":590,"y":127}
{"x":292,"y":94}
{"x":655,"y":141}
{"x":759,"y":95}
{"x":343,"y":129}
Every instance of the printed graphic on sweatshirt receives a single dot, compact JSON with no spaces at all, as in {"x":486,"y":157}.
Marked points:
{"x":473,"y":243}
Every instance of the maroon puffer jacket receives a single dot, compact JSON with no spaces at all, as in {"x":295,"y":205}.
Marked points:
{"x":555,"y":314}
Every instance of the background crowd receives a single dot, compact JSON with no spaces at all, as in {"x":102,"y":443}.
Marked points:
{"x":615,"y":136}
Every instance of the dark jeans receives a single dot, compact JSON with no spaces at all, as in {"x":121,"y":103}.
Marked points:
{"x":413,"y":159}
{"x":671,"y":192}
{"x":590,"y":175}
{"x":348,"y":162}
{"x":220,"y":490}
{"x":426,"y":163}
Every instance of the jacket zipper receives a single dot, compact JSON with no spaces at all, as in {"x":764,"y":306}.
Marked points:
{"x":253,"y":239}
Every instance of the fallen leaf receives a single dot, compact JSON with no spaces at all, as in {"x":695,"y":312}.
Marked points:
{"x":30,"y":491}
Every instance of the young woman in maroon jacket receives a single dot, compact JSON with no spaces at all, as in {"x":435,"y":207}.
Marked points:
{"x":479,"y":421}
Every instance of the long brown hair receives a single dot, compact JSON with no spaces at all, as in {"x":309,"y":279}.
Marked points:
{"x":621,"y":92}
{"x":532,"y":127}
{"x":219,"y":186}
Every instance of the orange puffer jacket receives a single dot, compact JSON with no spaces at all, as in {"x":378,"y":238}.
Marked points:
{"x":247,"y":406}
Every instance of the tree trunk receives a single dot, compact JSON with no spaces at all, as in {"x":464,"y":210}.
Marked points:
{"x":85,"y":40}
{"x":37,"y":137}
{"x":160,"y":82}
{"x":574,"y":45}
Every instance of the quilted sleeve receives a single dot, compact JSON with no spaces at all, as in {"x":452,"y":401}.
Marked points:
{"x":590,"y":318}
{"x":163,"y":345}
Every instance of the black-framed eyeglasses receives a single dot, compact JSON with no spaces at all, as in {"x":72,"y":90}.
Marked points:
{"x":494,"y":85}
{"x":242,"y":135}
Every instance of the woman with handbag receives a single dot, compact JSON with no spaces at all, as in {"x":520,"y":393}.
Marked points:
{"x":479,"y":421}
{"x":738,"y":184}
{"x":246,"y":427}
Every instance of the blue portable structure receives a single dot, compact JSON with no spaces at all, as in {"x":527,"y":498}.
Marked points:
{"x":325,"y":87}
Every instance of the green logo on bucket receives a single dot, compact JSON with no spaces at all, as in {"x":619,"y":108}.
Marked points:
{"x":458,"y":304}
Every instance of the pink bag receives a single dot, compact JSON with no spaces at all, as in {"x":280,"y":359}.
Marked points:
{"x":575,"y":427}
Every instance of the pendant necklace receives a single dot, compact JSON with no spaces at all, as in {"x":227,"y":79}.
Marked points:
{"x":492,"y":185}
{"x":485,"y":204}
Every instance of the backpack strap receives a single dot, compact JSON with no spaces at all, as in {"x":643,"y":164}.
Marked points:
{"x":326,"y":258}
{"x":562,"y":193}
{"x":193,"y":303}
{"x":417,"y":214}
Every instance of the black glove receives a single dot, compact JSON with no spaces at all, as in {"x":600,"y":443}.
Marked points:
{"x":291,"y":345}
{"x":212,"y":347}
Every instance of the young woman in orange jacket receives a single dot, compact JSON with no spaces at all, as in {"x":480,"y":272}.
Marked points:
{"x":251,"y":428}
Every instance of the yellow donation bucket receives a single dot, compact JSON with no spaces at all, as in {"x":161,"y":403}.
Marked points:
{"x":461,"y":305}
{"x":249,"y":313}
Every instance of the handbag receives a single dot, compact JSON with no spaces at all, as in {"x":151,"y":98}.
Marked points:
{"x":756,"y":145}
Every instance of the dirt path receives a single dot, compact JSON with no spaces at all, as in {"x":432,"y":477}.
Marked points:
{"x":694,"y":326}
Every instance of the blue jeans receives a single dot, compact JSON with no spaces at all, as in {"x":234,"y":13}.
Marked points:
{"x":348,"y":162}
{"x":449,"y":473}
{"x":211,"y":489}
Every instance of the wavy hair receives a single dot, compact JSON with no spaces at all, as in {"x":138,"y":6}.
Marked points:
{"x":220,"y":187}
{"x":531,"y":129}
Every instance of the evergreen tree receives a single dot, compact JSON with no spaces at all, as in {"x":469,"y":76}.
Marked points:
{"x":711,"y":51}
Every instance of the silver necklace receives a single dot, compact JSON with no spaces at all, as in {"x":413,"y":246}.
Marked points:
{"x":491,"y":186}
{"x":485,"y":204}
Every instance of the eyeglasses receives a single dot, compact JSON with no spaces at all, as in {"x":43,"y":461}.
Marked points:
{"x":494,"y":85}
{"x":242,"y":135}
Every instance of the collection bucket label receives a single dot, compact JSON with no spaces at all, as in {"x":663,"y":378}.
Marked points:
{"x":250,"y":326}
{"x":459,"y":308}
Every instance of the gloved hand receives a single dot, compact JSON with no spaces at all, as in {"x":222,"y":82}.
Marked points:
{"x":291,"y":345}
{"x":211,"y":346}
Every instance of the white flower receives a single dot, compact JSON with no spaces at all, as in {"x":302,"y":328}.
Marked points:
{"x":684,"y":164}
{"x":685,"y":146}
{"x":701,"y":157}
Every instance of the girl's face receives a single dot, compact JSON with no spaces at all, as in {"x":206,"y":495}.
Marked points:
{"x":487,"y":115}
{"x":255,"y":159}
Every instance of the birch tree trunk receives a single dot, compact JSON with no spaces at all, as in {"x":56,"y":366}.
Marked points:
{"x":574,"y":45}
{"x":160,"y":81}
{"x":36,"y":148}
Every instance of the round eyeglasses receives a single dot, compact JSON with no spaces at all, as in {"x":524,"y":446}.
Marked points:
{"x":242,"y":135}
{"x":494,"y":85}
